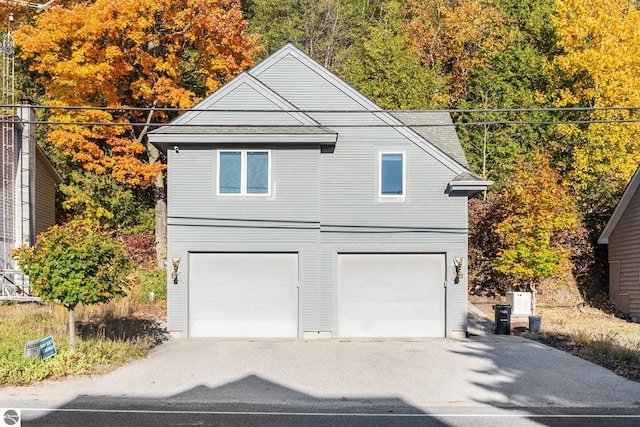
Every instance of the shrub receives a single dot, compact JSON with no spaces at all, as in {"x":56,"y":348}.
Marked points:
{"x":77,"y":263}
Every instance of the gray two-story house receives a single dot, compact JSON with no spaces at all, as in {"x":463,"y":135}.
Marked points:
{"x":298,"y":208}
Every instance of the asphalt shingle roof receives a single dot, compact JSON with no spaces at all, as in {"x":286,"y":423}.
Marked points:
{"x":437,"y":128}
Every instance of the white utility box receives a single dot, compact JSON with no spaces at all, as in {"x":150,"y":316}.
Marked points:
{"x":520,"y":302}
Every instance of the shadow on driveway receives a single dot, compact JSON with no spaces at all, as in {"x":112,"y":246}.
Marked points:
{"x":483,"y":380}
{"x":227,"y":406}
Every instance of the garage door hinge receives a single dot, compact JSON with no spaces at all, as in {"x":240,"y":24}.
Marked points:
{"x":445,"y":283}
{"x":298,"y":285}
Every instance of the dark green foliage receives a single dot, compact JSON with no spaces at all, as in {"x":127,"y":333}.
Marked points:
{"x":381,"y":66}
{"x":115,"y":205}
{"x":515,"y":78}
{"x":76,"y":263}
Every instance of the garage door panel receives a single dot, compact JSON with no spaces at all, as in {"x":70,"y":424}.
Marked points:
{"x":385,"y":311}
{"x":243,"y":295}
{"x":391,"y":295}
{"x":254,"y":311}
{"x":253,"y":295}
{"x":389,"y":328}
{"x":228,"y":328}
{"x":386,"y":294}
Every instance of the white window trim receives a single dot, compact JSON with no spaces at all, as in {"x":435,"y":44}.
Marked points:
{"x":243,"y":173}
{"x":393,"y":197}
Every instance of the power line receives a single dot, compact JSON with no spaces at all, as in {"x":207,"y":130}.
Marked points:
{"x":460,"y":112}
{"x":239,"y":110}
{"x":338,"y":125}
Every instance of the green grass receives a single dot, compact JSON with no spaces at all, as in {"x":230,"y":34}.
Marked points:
{"x":108,"y":336}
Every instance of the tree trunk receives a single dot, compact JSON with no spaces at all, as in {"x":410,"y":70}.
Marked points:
{"x":533,"y":298}
{"x":72,"y":330}
{"x":159,"y":196}
{"x":160,"y":209}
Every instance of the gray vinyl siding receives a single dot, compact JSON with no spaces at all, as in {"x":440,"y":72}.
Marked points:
{"x":624,"y":247}
{"x":317,"y":201}
{"x":292,"y":80}
{"x":350,"y":183}
{"x":321,"y":203}
{"x":286,"y":221}
{"x":294,"y":187}
{"x":45,"y":195}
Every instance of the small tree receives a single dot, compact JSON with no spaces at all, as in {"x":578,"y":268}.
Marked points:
{"x":537,"y":206}
{"x":77,"y":263}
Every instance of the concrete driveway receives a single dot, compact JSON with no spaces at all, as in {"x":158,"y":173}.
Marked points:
{"x":483,"y":380}
{"x":492,"y":371}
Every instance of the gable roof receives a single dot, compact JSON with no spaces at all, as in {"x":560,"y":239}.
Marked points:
{"x":16,"y":121}
{"x":266,"y":102}
{"x":219,"y":119}
{"x":437,"y":128}
{"x":46,"y":162}
{"x":621,"y":207}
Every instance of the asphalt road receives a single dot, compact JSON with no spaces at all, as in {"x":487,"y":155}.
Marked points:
{"x":291,"y":416}
{"x":484,"y":380}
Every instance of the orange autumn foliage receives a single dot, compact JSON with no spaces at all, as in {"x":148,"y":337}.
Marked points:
{"x":454,"y":36}
{"x":130,"y":53}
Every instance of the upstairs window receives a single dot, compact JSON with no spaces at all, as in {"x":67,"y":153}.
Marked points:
{"x":392,"y":174}
{"x":243,"y":172}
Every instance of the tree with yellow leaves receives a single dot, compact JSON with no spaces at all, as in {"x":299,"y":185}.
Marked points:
{"x":144,"y":54}
{"x":536,"y":207}
{"x":454,"y":37}
{"x":600,"y":67}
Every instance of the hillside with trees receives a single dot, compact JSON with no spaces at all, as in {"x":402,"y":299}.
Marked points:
{"x":545,"y":95}
{"x":540,"y":91}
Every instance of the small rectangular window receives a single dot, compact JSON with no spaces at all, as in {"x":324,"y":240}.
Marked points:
{"x":257,"y":172}
{"x":230,"y":172}
{"x":243,"y":172}
{"x":392,"y":174}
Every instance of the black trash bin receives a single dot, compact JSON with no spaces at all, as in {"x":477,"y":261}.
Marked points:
{"x":503,"y":318}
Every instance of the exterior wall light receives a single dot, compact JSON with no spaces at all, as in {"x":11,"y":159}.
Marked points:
{"x":176,"y":267}
{"x":457,"y":265}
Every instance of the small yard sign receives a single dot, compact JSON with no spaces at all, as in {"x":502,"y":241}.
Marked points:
{"x":32,"y":348}
{"x":47,"y":348}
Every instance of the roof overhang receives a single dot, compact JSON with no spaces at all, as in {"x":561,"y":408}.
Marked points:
{"x":621,"y":207}
{"x":286,"y":135}
{"x":47,"y":164}
{"x":468,"y":184}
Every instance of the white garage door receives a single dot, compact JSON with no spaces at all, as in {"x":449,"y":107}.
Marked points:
{"x":243,"y":295}
{"x":391,"y":295}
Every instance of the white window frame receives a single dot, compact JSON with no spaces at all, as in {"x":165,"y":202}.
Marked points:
{"x":393,"y":197}
{"x":243,"y":173}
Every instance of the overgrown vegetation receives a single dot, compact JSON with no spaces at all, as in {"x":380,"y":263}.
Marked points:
{"x":109,"y":335}
{"x":593,"y":335}
{"x":76,"y":263}
{"x":597,"y":333}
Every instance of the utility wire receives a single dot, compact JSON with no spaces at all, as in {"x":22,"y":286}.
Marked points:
{"x":237,"y":110}
{"x":337,"y":125}
{"x":460,"y":112}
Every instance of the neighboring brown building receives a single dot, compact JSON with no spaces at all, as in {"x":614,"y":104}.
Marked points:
{"x":622,"y":234}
